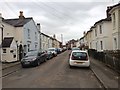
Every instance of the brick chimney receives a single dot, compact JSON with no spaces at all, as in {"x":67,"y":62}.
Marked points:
{"x":21,"y":15}
{"x":107,"y":11}
{"x":84,"y":33}
{"x":39,"y":27}
{"x":54,"y":36}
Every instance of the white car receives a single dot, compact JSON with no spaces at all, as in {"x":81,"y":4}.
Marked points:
{"x":53,"y":51}
{"x":79,"y":58}
{"x":75,"y":48}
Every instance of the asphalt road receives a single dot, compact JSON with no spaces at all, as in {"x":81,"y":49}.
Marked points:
{"x":54,"y":73}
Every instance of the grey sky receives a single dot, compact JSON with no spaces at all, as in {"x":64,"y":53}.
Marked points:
{"x":69,"y":18}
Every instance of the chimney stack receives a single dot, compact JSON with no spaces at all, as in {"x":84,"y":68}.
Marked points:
{"x":54,"y":36}
{"x":21,"y":15}
{"x":39,"y":27}
{"x":107,"y":11}
{"x":84,"y":33}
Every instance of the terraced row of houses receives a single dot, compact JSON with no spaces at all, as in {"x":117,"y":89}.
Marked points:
{"x":20,"y":35}
{"x":104,"y":34}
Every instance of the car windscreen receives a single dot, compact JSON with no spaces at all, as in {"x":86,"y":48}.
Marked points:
{"x":75,"y":49}
{"x":33,"y":53}
{"x":79,"y":56}
{"x":51,"y":50}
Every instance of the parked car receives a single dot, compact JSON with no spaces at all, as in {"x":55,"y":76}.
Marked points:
{"x":79,"y":58}
{"x":64,"y":49}
{"x":69,"y":48}
{"x":53,"y":51}
{"x":33,"y":58}
{"x":49,"y":55}
{"x":59,"y":50}
{"x":75,"y":48}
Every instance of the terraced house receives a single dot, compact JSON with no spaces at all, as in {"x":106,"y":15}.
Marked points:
{"x":20,"y":35}
{"x":24,"y":32}
{"x":105,"y":33}
{"x":114,"y":11}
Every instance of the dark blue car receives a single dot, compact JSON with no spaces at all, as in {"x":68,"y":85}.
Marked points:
{"x":33,"y":58}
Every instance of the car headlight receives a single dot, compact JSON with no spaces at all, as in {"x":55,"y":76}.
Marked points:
{"x":34,"y":59}
{"x":22,"y":59}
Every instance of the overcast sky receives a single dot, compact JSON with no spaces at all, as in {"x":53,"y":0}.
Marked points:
{"x":67,"y":17}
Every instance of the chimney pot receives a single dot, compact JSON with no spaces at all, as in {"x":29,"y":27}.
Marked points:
{"x":39,"y":27}
{"x":21,"y":15}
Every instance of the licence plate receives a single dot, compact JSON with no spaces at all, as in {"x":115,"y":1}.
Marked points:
{"x":79,"y":62}
{"x":27,"y":62}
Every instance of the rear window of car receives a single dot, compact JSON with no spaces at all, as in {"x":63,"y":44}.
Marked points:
{"x":79,"y":56}
{"x":75,"y":49}
{"x":32,"y":53}
{"x":51,"y":49}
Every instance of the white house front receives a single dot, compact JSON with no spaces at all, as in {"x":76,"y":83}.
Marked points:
{"x":9,"y":50}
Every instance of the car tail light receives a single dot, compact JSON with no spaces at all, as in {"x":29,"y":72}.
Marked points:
{"x":87,"y":58}
{"x":72,"y":57}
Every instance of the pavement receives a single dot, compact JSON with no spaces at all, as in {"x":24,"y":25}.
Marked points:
{"x":108,"y":76}
{"x":8,"y":65}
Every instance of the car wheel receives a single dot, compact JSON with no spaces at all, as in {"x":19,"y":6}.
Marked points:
{"x":53,"y":55}
{"x":45,"y":59}
{"x":23,"y":66}
{"x":89,"y":67}
{"x":70,"y":66}
{"x":38,"y":63}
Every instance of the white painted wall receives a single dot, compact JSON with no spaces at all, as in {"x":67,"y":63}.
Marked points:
{"x":105,"y":37}
{"x":116,"y":28}
{"x":45,"y":42}
{"x":8,"y":30}
{"x":8,"y":56}
{"x":34,"y":38}
{"x":50,"y":43}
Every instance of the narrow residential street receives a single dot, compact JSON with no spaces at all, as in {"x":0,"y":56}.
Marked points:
{"x":54,"y":73}
{"x":71,"y":44}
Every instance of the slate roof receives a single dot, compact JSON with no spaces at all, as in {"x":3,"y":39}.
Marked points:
{"x":45,"y":34}
{"x":111,"y":7}
{"x":17,"y":22}
{"x":7,"y":42}
{"x":106,"y":19}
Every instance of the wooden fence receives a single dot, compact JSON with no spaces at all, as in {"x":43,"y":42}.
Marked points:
{"x":110,"y":58}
